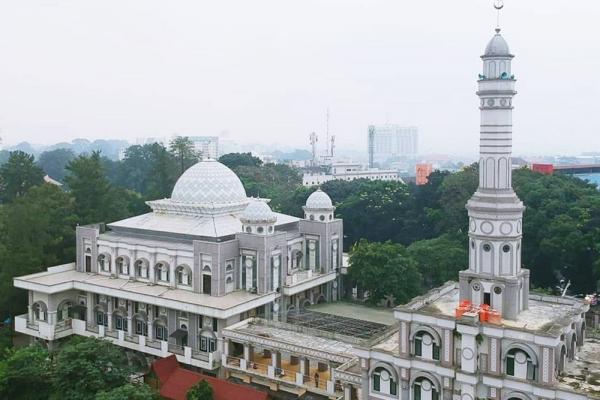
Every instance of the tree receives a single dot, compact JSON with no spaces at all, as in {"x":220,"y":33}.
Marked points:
{"x":54,"y":162}
{"x":149,"y":169}
{"x":25,"y":373}
{"x":129,"y":391}
{"x":85,"y":367}
{"x":440,"y":259}
{"x":96,"y":200}
{"x":384,"y":269}
{"x":235,"y":160}
{"x":37,"y":230}
{"x":200,"y":391}
{"x":456,"y":189}
{"x":183,"y":149}
{"x":17,"y":175}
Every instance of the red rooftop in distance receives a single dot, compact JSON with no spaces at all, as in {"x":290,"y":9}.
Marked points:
{"x":174,"y":383}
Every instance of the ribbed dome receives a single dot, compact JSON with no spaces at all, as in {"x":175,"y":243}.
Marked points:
{"x":209,"y":182}
{"x":497,"y":47}
{"x":319,"y":200}
{"x":258,"y":211}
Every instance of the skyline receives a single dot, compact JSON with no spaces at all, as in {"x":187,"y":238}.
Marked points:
{"x":197,"y":71}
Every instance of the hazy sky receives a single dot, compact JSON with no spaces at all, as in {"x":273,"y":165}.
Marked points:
{"x":265,"y":71}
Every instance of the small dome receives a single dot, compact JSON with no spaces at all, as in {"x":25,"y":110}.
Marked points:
{"x":497,"y":47}
{"x":209,"y":182}
{"x":319,"y":200}
{"x":258,"y":211}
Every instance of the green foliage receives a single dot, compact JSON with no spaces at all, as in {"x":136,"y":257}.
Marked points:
{"x":96,"y":200}
{"x":54,"y":162}
{"x":561,"y":229}
{"x":236,"y":160}
{"x":37,"y":231}
{"x":129,"y":391}
{"x":87,"y":366}
{"x":150,"y":170}
{"x":25,"y":374}
{"x":440,"y":259}
{"x":384,"y":269}
{"x":183,"y":150}
{"x":82,"y":368}
{"x":380,"y":205}
{"x":200,"y":391}
{"x":17,"y":175}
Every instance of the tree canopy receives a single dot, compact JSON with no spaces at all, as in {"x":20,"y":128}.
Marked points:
{"x":54,"y":162}
{"x":17,"y":175}
{"x":81,"y":368}
{"x":200,"y":391}
{"x":385,"y":269}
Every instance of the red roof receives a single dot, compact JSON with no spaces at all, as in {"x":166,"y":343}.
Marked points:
{"x":176,"y":381}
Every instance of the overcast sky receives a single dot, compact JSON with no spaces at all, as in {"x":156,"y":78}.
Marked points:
{"x":266,"y":71}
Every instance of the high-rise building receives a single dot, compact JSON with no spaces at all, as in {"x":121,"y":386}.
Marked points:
{"x":206,"y":146}
{"x":391,"y":141}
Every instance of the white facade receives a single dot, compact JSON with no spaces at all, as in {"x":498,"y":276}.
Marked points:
{"x":390,"y":141}
{"x":168,"y":282}
{"x":350,"y":172}
{"x":485,"y":337}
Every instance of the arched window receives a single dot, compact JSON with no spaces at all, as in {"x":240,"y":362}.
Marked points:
{"x":39,"y":311}
{"x":206,"y":280}
{"x":161,"y":332}
{"x":141,"y":268}
{"x":383,"y":382}
{"x":423,"y":389}
{"x":184,"y":275}
{"x":162,"y":272}
{"x":122,"y":265}
{"x":104,"y":262}
{"x":426,"y":347}
{"x":520,"y":364}
{"x":120,"y":322}
{"x":140,"y":326}
{"x":63,"y":311}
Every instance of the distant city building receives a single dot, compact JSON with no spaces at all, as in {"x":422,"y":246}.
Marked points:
{"x":422,"y":173}
{"x":391,"y":141}
{"x":140,"y":141}
{"x":206,"y":146}
{"x":350,"y":172}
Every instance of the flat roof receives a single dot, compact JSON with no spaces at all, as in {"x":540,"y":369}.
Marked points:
{"x":362,"y":312}
{"x":546,"y":314}
{"x":286,"y":334}
{"x":583,"y":374}
{"x":66,"y":278}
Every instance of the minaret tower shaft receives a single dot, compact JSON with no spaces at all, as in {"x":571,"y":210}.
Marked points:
{"x":495,"y":276}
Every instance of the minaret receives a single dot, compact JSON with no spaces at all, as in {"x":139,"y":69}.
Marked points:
{"x":495,"y":276}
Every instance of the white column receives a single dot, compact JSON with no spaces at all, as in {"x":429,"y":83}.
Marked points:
{"x":109,"y":313}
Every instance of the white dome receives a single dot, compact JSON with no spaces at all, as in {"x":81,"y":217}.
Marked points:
{"x":209,"y":182}
{"x":497,"y":47}
{"x":319,"y":200}
{"x":258,"y":211}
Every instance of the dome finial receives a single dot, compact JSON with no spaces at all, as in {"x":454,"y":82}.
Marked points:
{"x":498,"y":5}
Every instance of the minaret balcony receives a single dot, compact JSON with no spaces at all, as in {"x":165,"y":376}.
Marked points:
{"x":494,"y":86}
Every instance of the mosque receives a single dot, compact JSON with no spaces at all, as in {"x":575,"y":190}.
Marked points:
{"x":216,"y":278}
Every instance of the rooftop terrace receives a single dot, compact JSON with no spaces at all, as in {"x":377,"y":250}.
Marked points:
{"x":546,"y":314}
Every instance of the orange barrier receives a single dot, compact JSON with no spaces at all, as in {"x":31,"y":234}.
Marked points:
{"x":485,"y":312}
{"x":462,"y":308}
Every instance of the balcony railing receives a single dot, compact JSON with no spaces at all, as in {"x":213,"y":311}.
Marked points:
{"x":176,"y":349}
{"x":200,"y":355}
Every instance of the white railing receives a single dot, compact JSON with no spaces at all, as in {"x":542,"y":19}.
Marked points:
{"x":298,"y":277}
